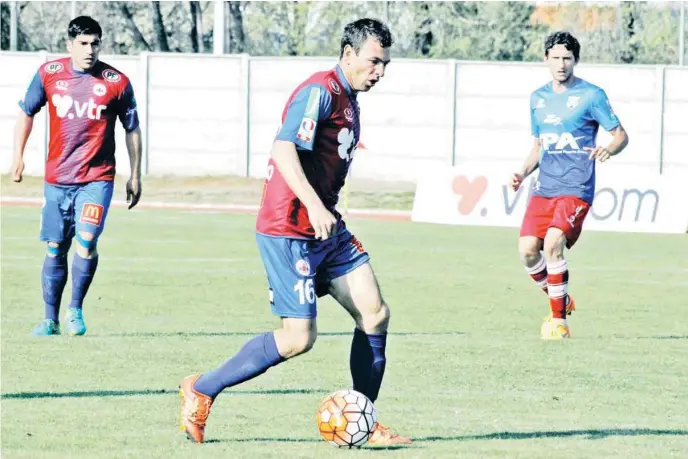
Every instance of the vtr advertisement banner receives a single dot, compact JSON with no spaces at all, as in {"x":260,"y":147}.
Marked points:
{"x":627,"y":198}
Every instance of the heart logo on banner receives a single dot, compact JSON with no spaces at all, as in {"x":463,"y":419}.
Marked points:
{"x":469,"y":192}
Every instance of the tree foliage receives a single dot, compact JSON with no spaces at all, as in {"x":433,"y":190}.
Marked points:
{"x":625,"y":32}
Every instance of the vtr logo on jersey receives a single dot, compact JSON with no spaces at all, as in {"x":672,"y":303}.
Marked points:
{"x":64,"y":104}
{"x":565,"y":141}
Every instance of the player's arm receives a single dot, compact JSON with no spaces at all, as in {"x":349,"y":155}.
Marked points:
{"x":309,"y":107}
{"x":32,"y":103}
{"x":601,"y":111}
{"x":129,"y":118}
{"x":533,"y":159}
{"x":530,"y":165}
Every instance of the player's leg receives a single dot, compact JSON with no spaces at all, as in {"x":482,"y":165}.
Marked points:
{"x":351,"y":281}
{"x":55,"y":229}
{"x":533,"y":229}
{"x":91,"y":206}
{"x":292,"y":297}
{"x":566,"y":226}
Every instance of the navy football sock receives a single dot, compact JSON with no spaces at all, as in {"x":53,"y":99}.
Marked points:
{"x":255,"y":358}
{"x":53,"y":280}
{"x":83,"y":270}
{"x":367,"y":362}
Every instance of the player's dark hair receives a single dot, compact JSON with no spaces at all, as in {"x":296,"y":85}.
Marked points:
{"x":357,"y":32}
{"x":563,"y":38}
{"x":84,"y":25}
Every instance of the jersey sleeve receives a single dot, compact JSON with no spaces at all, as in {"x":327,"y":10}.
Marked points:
{"x":127,"y":113}
{"x":35,"y":97}
{"x":534,"y":129}
{"x":309,"y":107}
{"x":601,"y":111}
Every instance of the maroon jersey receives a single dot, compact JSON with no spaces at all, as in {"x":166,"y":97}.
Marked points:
{"x":83,"y":108}
{"x":321,"y":118}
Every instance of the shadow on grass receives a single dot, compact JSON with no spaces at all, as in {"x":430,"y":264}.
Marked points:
{"x":130,"y":393}
{"x":592,"y":434}
{"x":207,"y":334}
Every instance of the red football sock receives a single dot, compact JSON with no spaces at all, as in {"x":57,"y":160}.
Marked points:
{"x":557,"y":283}
{"x":538,"y":272}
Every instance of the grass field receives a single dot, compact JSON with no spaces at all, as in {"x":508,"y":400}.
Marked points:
{"x":467,"y":376}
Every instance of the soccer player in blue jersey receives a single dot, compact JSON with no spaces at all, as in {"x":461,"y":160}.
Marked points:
{"x":565,"y":117}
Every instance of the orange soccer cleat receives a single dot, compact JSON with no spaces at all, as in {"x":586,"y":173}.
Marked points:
{"x":383,"y":436}
{"x":195,"y":409}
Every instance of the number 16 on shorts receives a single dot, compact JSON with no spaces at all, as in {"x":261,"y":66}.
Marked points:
{"x":306,"y":291}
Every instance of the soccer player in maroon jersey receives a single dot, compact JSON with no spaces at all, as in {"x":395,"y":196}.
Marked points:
{"x":305,"y":246}
{"x":85,"y":97}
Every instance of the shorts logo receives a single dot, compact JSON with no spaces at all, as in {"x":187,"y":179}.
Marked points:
{"x":53,"y":67}
{"x":303,"y":268}
{"x":572,"y":218}
{"x":356,"y":243}
{"x":306,"y":130}
{"x":99,"y":89}
{"x":334,"y":86}
{"x":91,"y":214}
{"x":111,"y":75}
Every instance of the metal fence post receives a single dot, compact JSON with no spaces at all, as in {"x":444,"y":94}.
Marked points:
{"x":659,"y":103}
{"x":142,"y":107}
{"x":452,"y":115}
{"x":246,"y":92}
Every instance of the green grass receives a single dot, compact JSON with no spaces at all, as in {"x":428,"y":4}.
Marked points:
{"x":467,"y":375}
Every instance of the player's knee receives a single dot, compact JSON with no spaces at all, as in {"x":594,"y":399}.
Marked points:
{"x":86,"y":244}
{"x":57,"y":249}
{"x":529,"y":250}
{"x":553,"y":250}
{"x":299,"y":342}
{"x":375,"y":319}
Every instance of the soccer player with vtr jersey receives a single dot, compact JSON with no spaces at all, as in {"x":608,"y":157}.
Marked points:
{"x":85,"y":97}
{"x":305,"y":246}
{"x":565,"y":117}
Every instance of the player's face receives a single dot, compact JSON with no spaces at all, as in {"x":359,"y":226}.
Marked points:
{"x":561,"y":62}
{"x":84,"y":50}
{"x":367,"y":67}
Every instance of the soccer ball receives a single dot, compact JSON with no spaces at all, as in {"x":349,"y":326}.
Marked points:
{"x":346,"y":419}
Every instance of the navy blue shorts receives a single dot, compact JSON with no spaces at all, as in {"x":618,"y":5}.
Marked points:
{"x":300,"y":270}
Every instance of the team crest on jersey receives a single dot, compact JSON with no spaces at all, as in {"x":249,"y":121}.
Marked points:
{"x":61,"y":85}
{"x":303,"y":268}
{"x":573,"y":101}
{"x":349,"y":114}
{"x":111,"y":76}
{"x":53,"y":67}
{"x":540,"y":103}
{"x":334,"y":86}
{"x":99,"y":89}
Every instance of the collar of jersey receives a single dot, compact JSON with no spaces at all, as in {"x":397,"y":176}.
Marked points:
{"x":344,"y":82}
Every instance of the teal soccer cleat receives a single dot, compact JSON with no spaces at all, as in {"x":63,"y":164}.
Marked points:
{"x":47,"y":327}
{"x":75,"y":322}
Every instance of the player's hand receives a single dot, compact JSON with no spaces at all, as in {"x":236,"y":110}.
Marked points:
{"x":516,"y":181}
{"x":322,"y":221}
{"x":599,"y":153}
{"x":17,"y":170}
{"x":133,"y":191}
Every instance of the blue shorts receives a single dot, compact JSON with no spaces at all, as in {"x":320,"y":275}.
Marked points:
{"x":70,"y":208}
{"x":300,"y":270}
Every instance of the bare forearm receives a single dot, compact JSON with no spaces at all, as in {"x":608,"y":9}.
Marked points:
{"x":22,"y":130}
{"x":287,"y":159}
{"x":618,"y":143}
{"x":532,"y":161}
{"x":133,"y":140}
